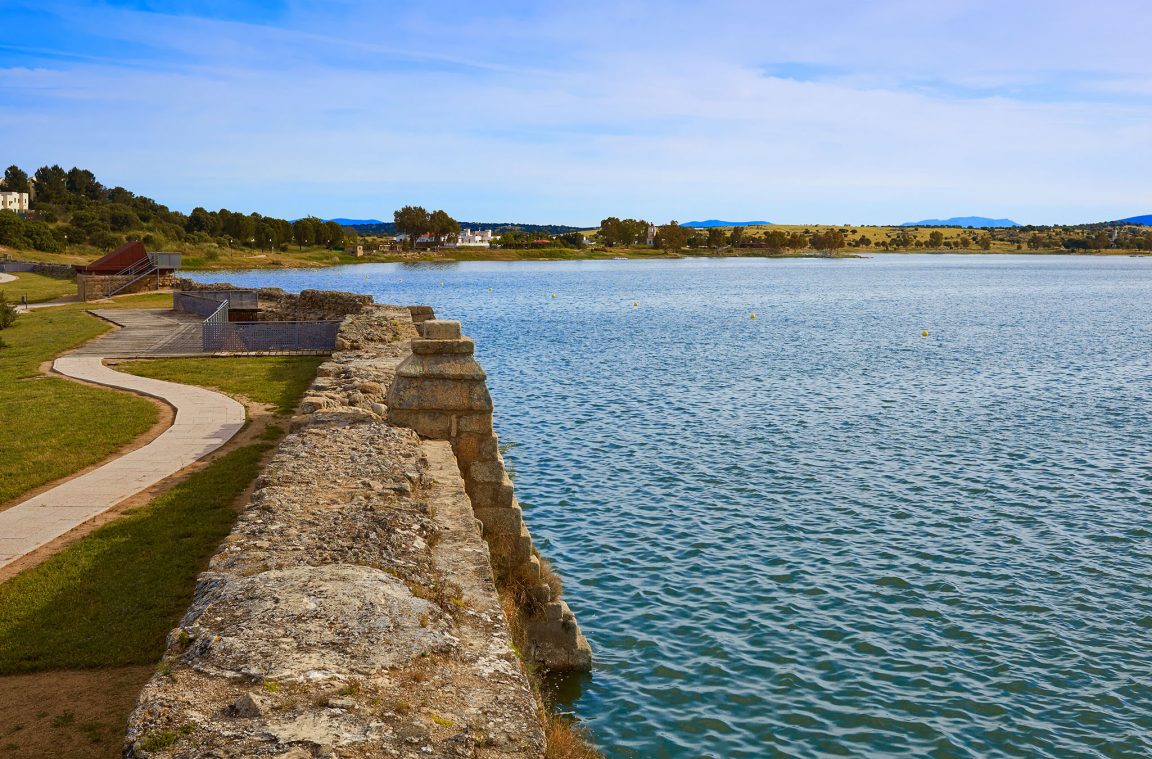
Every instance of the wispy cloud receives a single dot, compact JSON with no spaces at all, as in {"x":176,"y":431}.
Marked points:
{"x":828,"y":110}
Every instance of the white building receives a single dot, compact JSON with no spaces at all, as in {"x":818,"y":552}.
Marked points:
{"x":14,"y":201}
{"x":469,"y":239}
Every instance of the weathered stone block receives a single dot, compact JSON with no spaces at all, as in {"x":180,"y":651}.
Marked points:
{"x":432,"y":425}
{"x":447,"y":395}
{"x":481,"y":423}
{"x":501,"y":521}
{"x":447,"y":366}
{"x":470,"y":447}
{"x":441,"y":329}
{"x":463,"y":346}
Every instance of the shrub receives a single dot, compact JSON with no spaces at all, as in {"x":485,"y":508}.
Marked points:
{"x":7,"y":312}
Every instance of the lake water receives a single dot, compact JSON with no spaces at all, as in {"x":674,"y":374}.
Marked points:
{"x":819,"y":532}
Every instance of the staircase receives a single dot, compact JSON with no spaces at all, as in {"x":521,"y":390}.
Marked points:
{"x":133,"y":274}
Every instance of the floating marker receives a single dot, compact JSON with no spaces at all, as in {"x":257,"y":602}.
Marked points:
{"x":553,"y":295}
{"x":924,"y":333}
{"x":489,"y":289}
{"x":635,"y":304}
{"x":753,"y":316}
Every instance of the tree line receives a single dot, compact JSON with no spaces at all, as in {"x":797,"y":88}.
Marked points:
{"x":73,"y":208}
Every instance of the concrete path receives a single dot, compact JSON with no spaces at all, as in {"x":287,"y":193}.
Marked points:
{"x":146,"y":332}
{"x":6,"y":278}
{"x":205,"y":420}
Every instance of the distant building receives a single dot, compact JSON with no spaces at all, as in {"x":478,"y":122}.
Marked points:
{"x":650,"y":239}
{"x":14,"y":201}
{"x":470,"y":239}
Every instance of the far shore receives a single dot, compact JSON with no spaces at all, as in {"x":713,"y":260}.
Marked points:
{"x":313,"y":259}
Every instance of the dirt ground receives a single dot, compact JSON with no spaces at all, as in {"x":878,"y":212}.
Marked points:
{"x":73,"y":714}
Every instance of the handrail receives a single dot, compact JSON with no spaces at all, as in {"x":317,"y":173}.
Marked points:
{"x":136,"y":271}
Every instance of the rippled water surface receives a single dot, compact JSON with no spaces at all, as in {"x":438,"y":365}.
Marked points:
{"x":818,"y":532}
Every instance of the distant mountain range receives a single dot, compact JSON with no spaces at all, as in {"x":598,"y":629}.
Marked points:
{"x":354,"y":222}
{"x":718,"y":223}
{"x":962,"y":221}
{"x":1146,"y":220}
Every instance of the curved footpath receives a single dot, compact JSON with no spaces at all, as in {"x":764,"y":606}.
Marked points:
{"x":6,"y":278}
{"x":205,"y":420}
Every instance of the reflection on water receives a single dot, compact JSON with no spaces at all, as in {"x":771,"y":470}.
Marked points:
{"x":819,"y":532}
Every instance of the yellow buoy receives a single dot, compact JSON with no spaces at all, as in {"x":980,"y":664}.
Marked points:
{"x":489,"y":289}
{"x":553,"y":295}
{"x":753,"y":316}
{"x":924,"y":333}
{"x":635,"y":304}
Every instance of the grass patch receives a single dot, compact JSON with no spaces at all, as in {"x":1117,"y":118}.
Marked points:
{"x":276,"y":380}
{"x":111,"y":598}
{"x":52,"y":426}
{"x":37,"y":287}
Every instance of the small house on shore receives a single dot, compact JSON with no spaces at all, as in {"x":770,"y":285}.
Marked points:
{"x":128,"y":269}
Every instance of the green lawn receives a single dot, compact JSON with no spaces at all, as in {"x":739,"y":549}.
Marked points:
{"x":111,"y":598}
{"x":277,"y":380}
{"x":51,"y":427}
{"x":37,"y":287}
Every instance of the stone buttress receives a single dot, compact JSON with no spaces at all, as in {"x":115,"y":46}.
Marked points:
{"x":441,"y":393}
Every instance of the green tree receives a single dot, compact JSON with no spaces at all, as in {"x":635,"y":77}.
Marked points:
{"x":412,"y":221}
{"x":736,"y":237}
{"x":776,"y":240}
{"x":985,"y":242}
{"x":201,"y":220}
{"x":51,"y":184}
{"x":82,"y":183}
{"x":672,"y":236}
{"x":935,"y":239}
{"x":442,"y":226}
{"x":15,"y":180}
{"x":716,"y":237}
{"x":304,"y":231}
{"x":828,"y":241}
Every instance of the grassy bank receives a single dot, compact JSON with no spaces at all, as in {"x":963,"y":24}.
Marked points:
{"x":37,"y":287}
{"x":52,"y":427}
{"x":110,"y":598}
{"x":277,"y":381}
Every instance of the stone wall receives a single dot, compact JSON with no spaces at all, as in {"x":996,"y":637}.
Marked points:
{"x":277,"y":305}
{"x":441,"y":392}
{"x":97,"y":286}
{"x":353,"y":610}
{"x":59,"y":271}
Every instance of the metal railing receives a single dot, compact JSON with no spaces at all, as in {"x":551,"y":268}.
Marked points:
{"x":132,"y":274}
{"x":223,"y":336}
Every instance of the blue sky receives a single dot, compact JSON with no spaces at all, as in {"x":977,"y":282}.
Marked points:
{"x":809,"y":111}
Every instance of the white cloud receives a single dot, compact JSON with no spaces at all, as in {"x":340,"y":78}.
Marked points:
{"x":549,"y":113}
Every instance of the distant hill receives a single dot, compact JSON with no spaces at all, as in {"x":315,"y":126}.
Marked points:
{"x":1146,"y":220}
{"x":355,"y":222}
{"x":718,"y":223}
{"x":962,"y":221}
{"x":389,"y":228}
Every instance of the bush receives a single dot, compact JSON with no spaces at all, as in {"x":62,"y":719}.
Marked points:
{"x":41,"y":236}
{"x":7,"y":312}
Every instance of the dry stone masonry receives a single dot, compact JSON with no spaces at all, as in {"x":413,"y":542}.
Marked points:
{"x":441,"y":392}
{"x":353,"y":610}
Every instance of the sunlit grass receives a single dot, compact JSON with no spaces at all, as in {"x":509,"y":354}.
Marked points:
{"x":51,"y":427}
{"x":110,"y":598}
{"x":37,"y":287}
{"x":276,"y":380}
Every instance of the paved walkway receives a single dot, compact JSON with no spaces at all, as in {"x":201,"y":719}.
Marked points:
{"x":147,"y":332}
{"x":6,"y":278}
{"x":205,"y":420}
